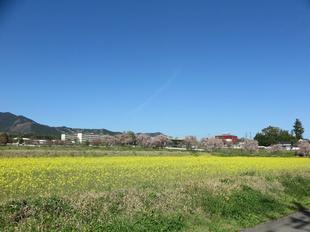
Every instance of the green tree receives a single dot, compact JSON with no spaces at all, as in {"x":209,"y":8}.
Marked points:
{"x":273,"y":135}
{"x":298,"y":130}
{"x":4,"y":138}
{"x":20,"y":140}
{"x":86,"y":143}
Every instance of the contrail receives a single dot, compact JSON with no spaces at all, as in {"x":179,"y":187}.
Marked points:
{"x":162,"y":88}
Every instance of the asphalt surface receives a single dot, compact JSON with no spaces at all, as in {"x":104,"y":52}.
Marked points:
{"x":298,"y":222}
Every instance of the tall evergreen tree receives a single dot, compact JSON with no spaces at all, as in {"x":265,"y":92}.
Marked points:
{"x":298,"y":129}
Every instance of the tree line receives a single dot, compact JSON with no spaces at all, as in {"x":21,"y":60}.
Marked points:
{"x":274,"y":135}
{"x":161,"y":141}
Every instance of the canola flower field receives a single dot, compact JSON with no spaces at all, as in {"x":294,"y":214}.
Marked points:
{"x":20,"y":177}
{"x":164,"y":193}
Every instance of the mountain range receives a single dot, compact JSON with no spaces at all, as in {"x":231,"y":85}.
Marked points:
{"x":20,"y":125}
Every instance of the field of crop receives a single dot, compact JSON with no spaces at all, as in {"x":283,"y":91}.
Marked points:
{"x":158,"y":193}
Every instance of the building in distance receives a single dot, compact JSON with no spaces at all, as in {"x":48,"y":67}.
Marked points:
{"x":81,"y":137}
{"x":228,"y":139}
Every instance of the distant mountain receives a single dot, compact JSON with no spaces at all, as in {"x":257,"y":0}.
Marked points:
{"x":20,"y":125}
{"x":151,"y":134}
{"x":68,"y":130}
{"x":15,"y":124}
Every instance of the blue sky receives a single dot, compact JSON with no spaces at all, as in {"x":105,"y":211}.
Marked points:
{"x":180,"y":67}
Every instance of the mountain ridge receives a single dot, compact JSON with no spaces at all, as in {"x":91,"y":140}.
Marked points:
{"x":21,"y":125}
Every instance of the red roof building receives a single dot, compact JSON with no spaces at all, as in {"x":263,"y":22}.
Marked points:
{"x":228,"y":139}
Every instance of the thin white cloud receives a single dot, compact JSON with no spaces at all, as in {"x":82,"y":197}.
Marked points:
{"x":156,"y":93}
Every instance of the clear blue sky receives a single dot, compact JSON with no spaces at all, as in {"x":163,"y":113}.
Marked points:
{"x":180,"y":67}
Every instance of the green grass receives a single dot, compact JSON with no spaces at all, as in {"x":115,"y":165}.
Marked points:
{"x":56,"y":151}
{"x":205,"y":211}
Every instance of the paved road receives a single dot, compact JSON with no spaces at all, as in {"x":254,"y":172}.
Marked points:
{"x":298,"y":222}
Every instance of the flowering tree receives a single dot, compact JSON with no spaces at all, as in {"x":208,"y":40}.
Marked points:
{"x":304,"y":148}
{"x":190,"y":142}
{"x":212,"y":144}
{"x":96,"y":142}
{"x":109,"y":140}
{"x":144,"y":140}
{"x":276,"y":148}
{"x":250,"y":145}
{"x":128,"y":138}
{"x":159,"y":141}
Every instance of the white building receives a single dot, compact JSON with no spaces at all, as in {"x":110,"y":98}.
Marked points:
{"x":69,"y":137}
{"x":81,"y":137}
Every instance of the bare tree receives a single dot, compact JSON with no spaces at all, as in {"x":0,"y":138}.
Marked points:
{"x":49,"y":142}
{"x":304,"y":148}
{"x":212,"y":144}
{"x":250,"y":145}
{"x":4,"y":138}
{"x":143,"y":140}
{"x":190,"y":142}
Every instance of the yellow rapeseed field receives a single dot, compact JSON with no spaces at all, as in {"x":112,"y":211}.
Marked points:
{"x":20,"y":177}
